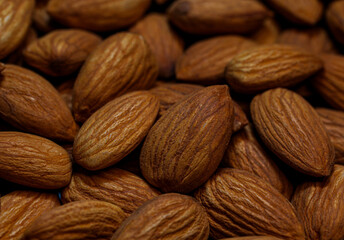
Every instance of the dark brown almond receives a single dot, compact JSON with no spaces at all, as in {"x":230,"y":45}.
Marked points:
{"x":253,"y":238}
{"x":335,"y":18}
{"x":66,"y":92}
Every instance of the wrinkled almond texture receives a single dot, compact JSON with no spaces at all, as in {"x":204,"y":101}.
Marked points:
{"x":335,"y":18}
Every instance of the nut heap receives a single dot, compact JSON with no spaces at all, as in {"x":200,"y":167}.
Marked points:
{"x":172,"y":120}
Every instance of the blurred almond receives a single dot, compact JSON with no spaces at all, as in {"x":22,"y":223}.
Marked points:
{"x":240,"y":119}
{"x":66,"y":92}
{"x":335,"y":18}
{"x":41,"y":19}
{"x":253,"y":238}
{"x":267,"y":33}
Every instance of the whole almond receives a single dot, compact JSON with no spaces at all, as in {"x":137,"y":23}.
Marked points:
{"x":267,"y":33}
{"x":97,"y":15}
{"x":61,"y":52}
{"x":217,"y":16}
{"x":185,"y":146}
{"x":15,"y":18}
{"x":334,"y":18}
{"x":32,"y":104}
{"x":127,"y":64}
{"x":291,"y":128}
{"x":77,"y":220}
{"x":20,"y":208}
{"x":119,"y":187}
{"x":270,"y":66}
{"x":171,"y":216}
{"x":320,"y":206}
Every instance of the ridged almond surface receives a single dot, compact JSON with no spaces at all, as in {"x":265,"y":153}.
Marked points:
{"x":320,"y":206}
{"x":239,"y":203}
{"x":185,"y":146}
{"x":77,"y":220}
{"x":15,"y":18}
{"x":33,"y":161}
{"x":245,"y":152}
{"x":290,"y":127}
{"x":335,"y":18}
{"x":270,"y":66}
{"x":119,"y":187}
{"x":194,"y":65}
{"x":169,"y":216}
{"x":115,"y":130}
{"x":121,"y":63}
{"x":61,"y":52}
{"x":32,"y":104}
{"x":166,"y":45}
{"x":217,"y":16}
{"x":97,"y":15}
{"x":253,"y":238}
{"x":267,"y":33}
{"x":20,"y":208}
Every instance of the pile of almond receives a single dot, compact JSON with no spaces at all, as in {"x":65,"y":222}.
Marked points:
{"x":172,"y":120}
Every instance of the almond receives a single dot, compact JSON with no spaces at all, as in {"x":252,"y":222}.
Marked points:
{"x":240,"y":119}
{"x":253,"y":238}
{"x":66,"y":92}
{"x":77,"y":220}
{"x":127,"y":64}
{"x":291,"y":128}
{"x":334,"y":18}
{"x":270,"y":66}
{"x":267,"y":33}
{"x":33,"y":161}
{"x":41,"y":18}
{"x":171,"y":216}
{"x":185,"y":146}
{"x":320,"y":206}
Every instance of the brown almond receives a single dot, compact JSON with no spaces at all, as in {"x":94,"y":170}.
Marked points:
{"x":66,"y":92}
{"x":41,"y":19}
{"x":335,"y":18}
{"x":127,"y":64}
{"x":253,"y":238}
{"x":267,"y":33}
{"x":240,"y":118}
{"x":290,"y":127}
{"x":185,"y":146}
{"x":170,"y":216}
{"x":270,"y":66}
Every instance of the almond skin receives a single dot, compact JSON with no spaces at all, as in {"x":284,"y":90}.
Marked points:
{"x":119,"y":187}
{"x":115,"y":130}
{"x":33,"y":161}
{"x":169,"y":216}
{"x":20,"y":208}
{"x":194,"y":65}
{"x":239,"y":203}
{"x":61,"y":52}
{"x":15,"y":18}
{"x":270,"y":66}
{"x":127,"y":64}
{"x":291,"y":128}
{"x":97,"y":15}
{"x":320,"y":206}
{"x":334,"y":18}
{"x":253,"y":238}
{"x":185,"y":146}
{"x":77,"y":220}
{"x":32,"y":104}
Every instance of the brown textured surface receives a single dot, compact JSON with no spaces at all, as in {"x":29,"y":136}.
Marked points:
{"x":267,"y":33}
{"x":77,"y":220}
{"x":97,"y":15}
{"x":320,"y":206}
{"x":291,"y":128}
{"x":205,"y":61}
{"x":240,"y":119}
{"x":239,"y":203}
{"x":33,"y":161}
{"x":253,"y":238}
{"x":20,"y":208}
{"x":15,"y":18}
{"x":245,"y":152}
{"x":169,"y":216}
{"x":115,"y":130}
{"x":121,"y":63}
{"x":217,"y":16}
{"x":270,"y":66}
{"x":32,"y":104}
{"x":335,"y":19}
{"x":185,"y":146}
{"x":166,"y":45}
{"x":61,"y":52}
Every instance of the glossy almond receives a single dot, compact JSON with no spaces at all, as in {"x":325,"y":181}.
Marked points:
{"x":185,"y":146}
{"x":335,"y":18}
{"x":33,"y":161}
{"x":169,"y":216}
{"x":270,"y":66}
{"x":127,"y":64}
{"x":239,"y":203}
{"x":77,"y":220}
{"x":97,"y":15}
{"x":320,"y":206}
{"x":15,"y":18}
{"x":194,"y":65}
{"x":61,"y":52}
{"x":116,"y":186}
{"x":290,"y":127}
{"x":20,"y":208}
